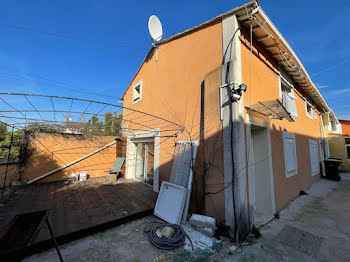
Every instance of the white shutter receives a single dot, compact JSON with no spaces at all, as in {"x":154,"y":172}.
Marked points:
{"x":290,"y":155}
{"x":314,"y":157}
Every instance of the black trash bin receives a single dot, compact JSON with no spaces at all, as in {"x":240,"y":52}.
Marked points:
{"x":332,"y":166}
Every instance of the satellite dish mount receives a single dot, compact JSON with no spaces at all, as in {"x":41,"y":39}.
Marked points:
{"x":156,"y":31}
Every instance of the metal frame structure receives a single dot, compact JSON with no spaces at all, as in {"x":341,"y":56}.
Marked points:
{"x":22,"y":111}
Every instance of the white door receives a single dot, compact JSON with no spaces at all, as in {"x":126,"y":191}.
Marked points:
{"x":144,"y":162}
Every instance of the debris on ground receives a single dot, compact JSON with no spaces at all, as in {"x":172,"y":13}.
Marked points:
{"x":203,"y":221}
{"x":204,"y":224}
{"x":199,"y":240}
{"x":19,"y":183}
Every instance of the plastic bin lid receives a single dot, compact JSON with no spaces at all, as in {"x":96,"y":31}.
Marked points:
{"x":333,"y":160}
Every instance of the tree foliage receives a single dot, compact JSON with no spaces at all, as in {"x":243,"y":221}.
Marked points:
{"x":111,"y":126}
{"x":5,"y":138}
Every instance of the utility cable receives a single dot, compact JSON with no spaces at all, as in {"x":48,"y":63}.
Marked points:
{"x":177,"y":238}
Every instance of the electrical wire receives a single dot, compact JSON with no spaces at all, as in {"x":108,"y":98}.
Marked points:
{"x":79,"y":38}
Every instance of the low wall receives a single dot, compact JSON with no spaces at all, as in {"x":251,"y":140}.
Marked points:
{"x":12,"y":174}
{"x":50,"y":151}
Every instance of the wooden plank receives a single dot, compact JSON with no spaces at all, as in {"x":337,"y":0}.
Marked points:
{"x":78,"y":207}
{"x":261,"y":38}
{"x":140,"y":190}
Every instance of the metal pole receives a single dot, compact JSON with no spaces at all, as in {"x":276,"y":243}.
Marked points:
{"x":7,"y":165}
{"x":54,"y":240}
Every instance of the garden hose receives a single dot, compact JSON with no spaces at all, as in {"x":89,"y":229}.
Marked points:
{"x":166,"y":236}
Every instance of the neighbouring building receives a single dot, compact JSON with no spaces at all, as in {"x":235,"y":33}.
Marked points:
{"x":257,"y":149}
{"x":339,"y":144}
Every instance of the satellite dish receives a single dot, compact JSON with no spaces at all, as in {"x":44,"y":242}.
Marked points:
{"x":155,"y":28}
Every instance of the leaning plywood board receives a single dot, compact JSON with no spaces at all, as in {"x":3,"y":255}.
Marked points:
{"x":170,"y":203}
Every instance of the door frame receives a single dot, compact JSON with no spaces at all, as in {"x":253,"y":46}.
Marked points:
{"x":132,"y":138}
{"x":265,"y":123}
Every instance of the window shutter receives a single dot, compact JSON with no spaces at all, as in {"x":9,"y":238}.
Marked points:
{"x":290,"y":156}
{"x":314,"y":157}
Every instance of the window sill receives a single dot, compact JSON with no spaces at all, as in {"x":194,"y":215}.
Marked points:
{"x":315,"y":173}
{"x":136,"y":101}
{"x":309,"y":116}
{"x":290,"y":174}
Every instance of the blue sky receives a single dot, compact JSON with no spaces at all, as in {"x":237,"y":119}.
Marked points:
{"x":107,"y":41}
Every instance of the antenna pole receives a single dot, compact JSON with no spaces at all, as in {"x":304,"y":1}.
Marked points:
{"x":156,"y":47}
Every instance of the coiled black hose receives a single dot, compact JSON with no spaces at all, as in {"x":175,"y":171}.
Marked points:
{"x":176,"y":240}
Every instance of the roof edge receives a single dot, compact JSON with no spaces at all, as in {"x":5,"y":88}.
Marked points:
{"x":300,"y":64}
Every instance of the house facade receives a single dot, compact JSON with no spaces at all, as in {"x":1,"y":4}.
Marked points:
{"x":234,"y":85}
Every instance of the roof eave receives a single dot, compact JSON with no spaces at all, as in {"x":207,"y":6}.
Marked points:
{"x":267,"y":34}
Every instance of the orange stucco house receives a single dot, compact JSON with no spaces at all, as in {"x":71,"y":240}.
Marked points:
{"x":257,"y":149}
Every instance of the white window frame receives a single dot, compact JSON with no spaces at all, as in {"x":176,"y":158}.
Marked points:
{"x":136,"y":100}
{"x":315,"y":114}
{"x":331,"y":126}
{"x":307,"y":114}
{"x":130,"y":153}
{"x":284,"y":81}
{"x":346,"y":148}
{"x":314,"y":143}
{"x":290,"y":138}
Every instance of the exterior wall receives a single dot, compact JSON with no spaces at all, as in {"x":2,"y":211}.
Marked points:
{"x":345,"y":124}
{"x":211,"y":149}
{"x":337,"y":150}
{"x":171,"y":89}
{"x":50,"y":151}
{"x":263,"y":85}
{"x":171,"y":83}
{"x":12,"y":174}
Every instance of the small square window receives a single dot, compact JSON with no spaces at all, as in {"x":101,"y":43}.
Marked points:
{"x":137,"y":92}
{"x":309,"y":110}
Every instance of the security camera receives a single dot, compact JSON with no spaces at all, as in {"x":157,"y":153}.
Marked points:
{"x":236,"y":94}
{"x":235,"y":97}
{"x":243,"y":87}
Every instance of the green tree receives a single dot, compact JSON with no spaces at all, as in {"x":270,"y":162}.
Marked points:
{"x":3,"y":131}
{"x":108,"y":124}
{"x":15,"y":147}
{"x":117,"y":124}
{"x":96,"y":126}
